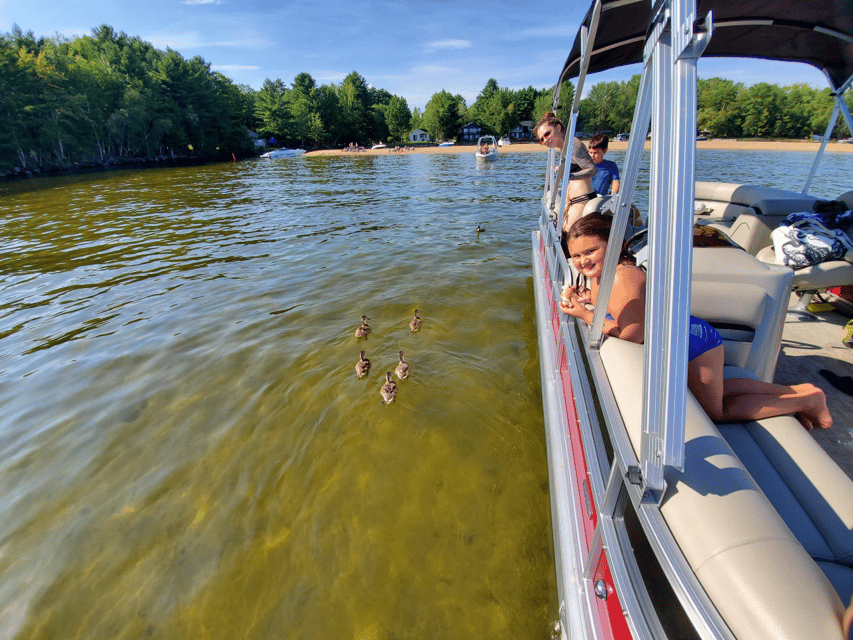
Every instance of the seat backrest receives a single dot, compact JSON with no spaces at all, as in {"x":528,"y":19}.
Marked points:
{"x":746,"y":301}
{"x":747,"y":213}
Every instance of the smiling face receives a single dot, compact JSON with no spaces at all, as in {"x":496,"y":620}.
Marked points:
{"x":550,"y":135}
{"x":587,"y":252}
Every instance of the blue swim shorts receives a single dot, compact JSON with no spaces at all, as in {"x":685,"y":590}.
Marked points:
{"x":703,"y":337}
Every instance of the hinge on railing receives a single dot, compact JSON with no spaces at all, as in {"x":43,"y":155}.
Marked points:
{"x":690,"y":38}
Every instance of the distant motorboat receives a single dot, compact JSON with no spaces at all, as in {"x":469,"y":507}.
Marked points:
{"x":487,"y":149}
{"x":447,"y":144}
{"x":379,"y":146}
{"x":275,"y":154}
{"x":504,"y":141}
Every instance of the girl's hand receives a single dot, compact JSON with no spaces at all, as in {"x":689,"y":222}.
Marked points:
{"x":572,"y":304}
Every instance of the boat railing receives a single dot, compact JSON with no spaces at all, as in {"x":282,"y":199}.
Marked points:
{"x":614,"y":483}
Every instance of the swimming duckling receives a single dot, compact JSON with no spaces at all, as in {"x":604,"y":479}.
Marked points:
{"x":480,"y":229}
{"x":388,"y":390}
{"x":362,"y":367}
{"x":403,"y":368}
{"x":416,"y":322}
{"x":364,"y":329}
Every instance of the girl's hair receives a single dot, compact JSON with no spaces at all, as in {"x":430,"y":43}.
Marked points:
{"x":597,"y":225}
{"x":550,"y":119}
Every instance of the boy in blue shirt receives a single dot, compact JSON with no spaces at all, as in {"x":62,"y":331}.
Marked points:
{"x":607,"y":177}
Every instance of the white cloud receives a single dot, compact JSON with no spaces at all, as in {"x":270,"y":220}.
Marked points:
{"x":448,"y":45}
{"x":554,"y":31}
{"x":194,"y":40}
{"x":234,"y":67}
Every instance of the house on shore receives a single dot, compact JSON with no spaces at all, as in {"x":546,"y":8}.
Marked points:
{"x":471,"y":132}
{"x":522,"y":131}
{"x":418,"y":135}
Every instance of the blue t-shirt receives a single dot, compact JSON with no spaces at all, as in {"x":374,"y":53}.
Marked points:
{"x":607,"y":173}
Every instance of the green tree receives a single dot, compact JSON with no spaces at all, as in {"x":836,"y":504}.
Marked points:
{"x":762,"y":108}
{"x":272,"y":110}
{"x":498,"y":115}
{"x":328,"y":109}
{"x":398,"y":118}
{"x":442,"y":117}
{"x":545,"y":99}
{"x":355,"y":114}
{"x":718,"y":107}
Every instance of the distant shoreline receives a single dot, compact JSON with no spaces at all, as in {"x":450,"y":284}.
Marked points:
{"x":737,"y":145}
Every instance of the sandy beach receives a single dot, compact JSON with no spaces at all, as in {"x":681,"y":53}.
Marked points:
{"x":743,"y":145}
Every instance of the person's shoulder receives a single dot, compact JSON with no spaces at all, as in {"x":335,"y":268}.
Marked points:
{"x":610,"y":164}
{"x":629,"y":273}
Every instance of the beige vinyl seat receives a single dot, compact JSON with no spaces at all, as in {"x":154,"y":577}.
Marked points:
{"x":746,"y":213}
{"x":764,"y":522}
{"x":761,"y":513}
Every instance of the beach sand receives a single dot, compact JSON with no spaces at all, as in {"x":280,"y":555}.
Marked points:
{"x":741,"y":145}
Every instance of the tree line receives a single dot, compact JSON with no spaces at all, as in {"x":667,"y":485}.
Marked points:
{"x":108,"y":97}
{"x":726,"y":109}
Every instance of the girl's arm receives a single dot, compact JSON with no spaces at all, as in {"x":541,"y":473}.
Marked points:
{"x":628,"y":305}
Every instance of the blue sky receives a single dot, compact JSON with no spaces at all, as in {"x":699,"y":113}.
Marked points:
{"x":412,"y":49}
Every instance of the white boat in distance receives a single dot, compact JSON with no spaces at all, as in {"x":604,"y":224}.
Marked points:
{"x":504,"y":141}
{"x":275,"y":154}
{"x":449,"y":143}
{"x":666,"y":524}
{"x":487,"y":149}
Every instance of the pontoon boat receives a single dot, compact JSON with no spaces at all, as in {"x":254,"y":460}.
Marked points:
{"x":667,"y":525}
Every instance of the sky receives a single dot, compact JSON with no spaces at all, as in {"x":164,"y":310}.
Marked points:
{"x":412,"y":49}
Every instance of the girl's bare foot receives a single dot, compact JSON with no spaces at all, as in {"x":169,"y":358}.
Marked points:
{"x":817,"y":411}
{"x":807,"y":424}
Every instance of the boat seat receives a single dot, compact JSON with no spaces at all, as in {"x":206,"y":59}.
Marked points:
{"x":757,"y":573}
{"x":811,"y":493}
{"x":808,"y":280}
{"x":745,"y":213}
{"x":746,"y":301}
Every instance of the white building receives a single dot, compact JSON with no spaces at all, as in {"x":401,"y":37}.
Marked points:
{"x":418,"y":135}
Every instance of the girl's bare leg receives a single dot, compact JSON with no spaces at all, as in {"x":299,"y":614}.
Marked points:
{"x":742,"y":399}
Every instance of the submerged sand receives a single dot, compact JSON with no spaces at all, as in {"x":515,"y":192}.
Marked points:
{"x":740,"y":145}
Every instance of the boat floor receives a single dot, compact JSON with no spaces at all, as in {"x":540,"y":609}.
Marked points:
{"x":808,"y":347}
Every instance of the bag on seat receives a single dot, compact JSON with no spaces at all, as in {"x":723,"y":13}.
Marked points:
{"x":803,"y":240}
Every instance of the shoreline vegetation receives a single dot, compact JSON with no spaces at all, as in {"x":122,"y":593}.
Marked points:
{"x":532,"y":147}
{"x":109,"y":100}
{"x":116,"y":164}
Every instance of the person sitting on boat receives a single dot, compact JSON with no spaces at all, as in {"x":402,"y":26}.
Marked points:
{"x":724,"y":400}
{"x":606,"y":181}
{"x":550,"y":132}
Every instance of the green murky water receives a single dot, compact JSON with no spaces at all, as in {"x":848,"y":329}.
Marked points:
{"x":185,"y":451}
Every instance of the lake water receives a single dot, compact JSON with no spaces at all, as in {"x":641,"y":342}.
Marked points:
{"x":185,"y":450}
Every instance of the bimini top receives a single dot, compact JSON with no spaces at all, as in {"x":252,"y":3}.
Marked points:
{"x":817,"y":33}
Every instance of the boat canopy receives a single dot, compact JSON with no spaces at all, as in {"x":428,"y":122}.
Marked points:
{"x":816,"y":33}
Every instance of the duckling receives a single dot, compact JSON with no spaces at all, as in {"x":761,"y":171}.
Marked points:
{"x":362,"y":367}
{"x":416,"y":322}
{"x":403,"y":368}
{"x":480,"y":229}
{"x":364,"y":329}
{"x":388,"y":390}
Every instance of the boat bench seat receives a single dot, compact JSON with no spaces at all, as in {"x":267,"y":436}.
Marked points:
{"x":833,"y":273}
{"x":755,"y":570}
{"x":746,"y":301}
{"x":746,"y":213}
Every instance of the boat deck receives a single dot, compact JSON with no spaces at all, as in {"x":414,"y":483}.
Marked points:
{"x":808,"y":347}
